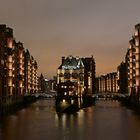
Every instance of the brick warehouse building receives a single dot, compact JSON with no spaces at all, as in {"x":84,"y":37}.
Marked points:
{"x":14,"y":69}
{"x":133,"y":63}
{"x":78,"y":72}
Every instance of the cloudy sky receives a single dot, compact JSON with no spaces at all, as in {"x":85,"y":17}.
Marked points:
{"x":51,"y":29}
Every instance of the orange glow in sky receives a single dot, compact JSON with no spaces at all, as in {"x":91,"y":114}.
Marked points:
{"x":51,"y":29}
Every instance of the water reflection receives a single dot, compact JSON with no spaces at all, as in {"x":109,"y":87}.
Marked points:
{"x":107,"y":120}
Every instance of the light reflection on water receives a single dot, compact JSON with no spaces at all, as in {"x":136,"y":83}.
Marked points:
{"x":107,"y":120}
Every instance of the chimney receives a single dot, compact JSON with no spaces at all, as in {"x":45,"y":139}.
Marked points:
{"x":63,"y":59}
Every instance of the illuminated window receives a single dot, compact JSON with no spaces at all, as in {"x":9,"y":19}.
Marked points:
{"x":137,"y":82}
{"x":137,"y":42}
{"x":137,"y":57}
{"x":137,"y":50}
{"x":10,"y":42}
{"x":20,"y":56}
{"x":20,"y":84}
{"x":10,"y":83}
{"x":10,"y":66}
{"x":136,"y":32}
{"x":137,"y":64}
{"x":137,"y":72}
{"x":130,"y":46}
{"x":10,"y":73}
{"x":10,"y":58}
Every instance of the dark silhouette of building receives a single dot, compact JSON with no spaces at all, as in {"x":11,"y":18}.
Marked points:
{"x":89,"y":75}
{"x":122,"y":78}
{"x":42,"y":84}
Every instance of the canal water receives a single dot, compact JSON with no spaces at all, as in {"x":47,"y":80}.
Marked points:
{"x":107,"y":120}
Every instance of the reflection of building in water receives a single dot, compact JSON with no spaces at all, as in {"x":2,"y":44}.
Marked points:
{"x":75,"y":76}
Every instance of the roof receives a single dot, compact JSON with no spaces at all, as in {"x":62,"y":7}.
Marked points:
{"x":137,"y":26}
{"x":72,"y":63}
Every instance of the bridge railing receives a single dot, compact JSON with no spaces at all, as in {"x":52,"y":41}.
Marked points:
{"x":110,"y":95}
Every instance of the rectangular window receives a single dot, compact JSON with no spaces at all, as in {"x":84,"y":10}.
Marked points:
{"x":10,"y":42}
{"x":137,"y":72}
{"x":137,"y":41}
{"x":137,"y":57}
{"x":137,"y":64}
{"x":136,"y":32}
{"x":137,"y":49}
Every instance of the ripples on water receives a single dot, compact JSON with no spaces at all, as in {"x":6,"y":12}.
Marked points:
{"x":107,"y":120}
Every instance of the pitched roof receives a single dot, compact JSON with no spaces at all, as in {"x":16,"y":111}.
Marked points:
{"x":72,"y":63}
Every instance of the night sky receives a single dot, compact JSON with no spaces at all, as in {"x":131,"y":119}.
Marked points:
{"x":51,"y":29}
